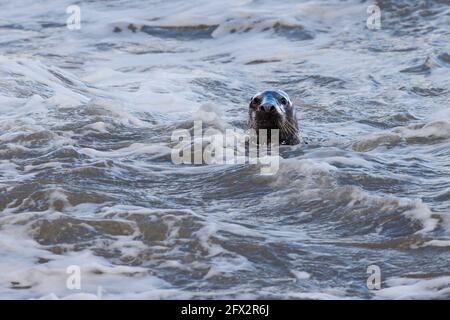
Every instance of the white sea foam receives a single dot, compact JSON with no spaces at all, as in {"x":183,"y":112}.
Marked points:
{"x":432,"y":131}
{"x":301,"y":275}
{"x":436,"y":130}
{"x":318,"y":175}
{"x":132,"y":150}
{"x":414,"y":288}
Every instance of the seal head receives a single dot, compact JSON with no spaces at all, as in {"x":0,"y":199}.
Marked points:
{"x":272,"y":109}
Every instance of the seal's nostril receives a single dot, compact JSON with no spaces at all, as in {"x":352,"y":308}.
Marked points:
{"x":267,"y":108}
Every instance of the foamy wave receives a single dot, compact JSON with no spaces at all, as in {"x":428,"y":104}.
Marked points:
{"x":413,"y":288}
{"x":431,"y":132}
{"x":33,"y":77}
{"x":141,"y":238}
{"x":316,"y":181}
{"x":134,"y":149}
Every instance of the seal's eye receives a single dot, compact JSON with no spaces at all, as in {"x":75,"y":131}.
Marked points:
{"x":256,"y":100}
{"x":283,"y":101}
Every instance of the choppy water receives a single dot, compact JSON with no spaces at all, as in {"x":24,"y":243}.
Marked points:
{"x":86,"y":176}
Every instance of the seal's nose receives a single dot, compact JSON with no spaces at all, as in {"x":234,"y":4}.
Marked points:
{"x":267,"y":107}
{"x":268,"y":103}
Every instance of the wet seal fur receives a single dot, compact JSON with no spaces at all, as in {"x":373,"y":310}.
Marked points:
{"x":273,"y":109}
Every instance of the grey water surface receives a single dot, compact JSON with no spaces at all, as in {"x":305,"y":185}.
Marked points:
{"x":86,"y":176}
